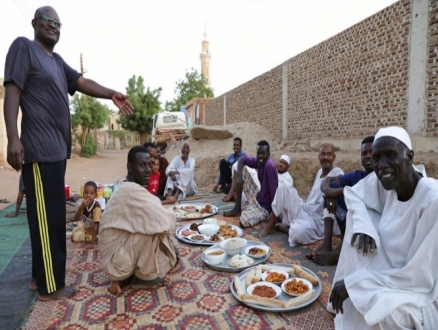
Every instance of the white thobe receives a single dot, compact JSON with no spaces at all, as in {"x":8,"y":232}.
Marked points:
{"x":395,"y":287}
{"x":285,"y":177}
{"x":304,"y":218}
{"x":185,"y":180}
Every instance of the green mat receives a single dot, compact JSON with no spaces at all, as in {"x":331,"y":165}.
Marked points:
{"x":13,"y":232}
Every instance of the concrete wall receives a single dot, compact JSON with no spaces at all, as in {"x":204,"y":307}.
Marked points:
{"x":379,"y":72}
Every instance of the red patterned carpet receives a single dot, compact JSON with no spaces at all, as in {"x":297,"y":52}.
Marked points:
{"x":196,"y":297}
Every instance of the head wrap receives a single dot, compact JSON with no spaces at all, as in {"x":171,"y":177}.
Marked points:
{"x":395,"y":132}
{"x":285,"y":158}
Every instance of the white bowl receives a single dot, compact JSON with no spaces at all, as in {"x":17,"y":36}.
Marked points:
{"x":214,"y":259}
{"x":263,"y":247}
{"x":265,"y":275}
{"x":191,"y":237}
{"x":210,"y":221}
{"x":240,"y":243}
{"x":283,"y":285}
{"x":208,"y":230}
{"x":189,"y":208}
{"x":275,"y":287}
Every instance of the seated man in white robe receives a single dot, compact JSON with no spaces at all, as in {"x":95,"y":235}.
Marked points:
{"x":392,"y":222}
{"x":181,"y":175}
{"x":283,"y":170}
{"x":303,"y":221}
{"x":134,"y":232}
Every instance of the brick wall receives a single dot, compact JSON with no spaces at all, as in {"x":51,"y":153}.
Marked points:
{"x":345,"y":87}
{"x":432,"y":72}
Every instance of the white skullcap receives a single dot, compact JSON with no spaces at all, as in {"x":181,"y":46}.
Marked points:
{"x":395,"y":132}
{"x":285,"y":158}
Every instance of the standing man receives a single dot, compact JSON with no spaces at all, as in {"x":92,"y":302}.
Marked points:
{"x":303,"y":221}
{"x":181,"y":175}
{"x":162,"y":169}
{"x":257,"y":178}
{"x":225,"y":169}
{"x":387,"y":275}
{"x":38,"y":80}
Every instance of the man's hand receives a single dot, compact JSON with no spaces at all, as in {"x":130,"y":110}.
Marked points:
{"x":15,"y":155}
{"x":216,"y":188}
{"x":170,"y":199}
{"x":121,"y":101}
{"x":332,"y":205}
{"x":338,"y":295}
{"x":11,"y":215}
{"x":365,"y":242}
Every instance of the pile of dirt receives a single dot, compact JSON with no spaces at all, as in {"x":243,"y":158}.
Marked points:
{"x":209,"y":151}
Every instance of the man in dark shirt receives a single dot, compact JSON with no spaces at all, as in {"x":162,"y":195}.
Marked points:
{"x":38,"y":80}
{"x":259,"y":181}
{"x":333,"y":190}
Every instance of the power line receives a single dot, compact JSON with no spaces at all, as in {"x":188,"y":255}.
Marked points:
{"x":20,"y":9}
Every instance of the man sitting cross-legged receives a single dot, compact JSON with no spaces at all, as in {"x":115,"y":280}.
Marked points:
{"x":387,"y":275}
{"x":225,"y":168}
{"x":181,"y":175}
{"x":303,"y":221}
{"x":259,"y":181}
{"x":283,"y":170}
{"x":332,"y":188}
{"x":135,"y":229}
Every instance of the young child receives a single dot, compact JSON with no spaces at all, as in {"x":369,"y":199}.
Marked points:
{"x":154,"y":179}
{"x":90,"y":212}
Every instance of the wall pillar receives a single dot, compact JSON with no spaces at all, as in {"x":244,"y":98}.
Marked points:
{"x":284,"y":100}
{"x":418,"y":52}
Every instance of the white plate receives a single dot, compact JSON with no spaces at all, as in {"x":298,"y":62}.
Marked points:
{"x":197,"y":240}
{"x":215,"y":242}
{"x":275,"y":287}
{"x":182,"y":215}
{"x":178,"y":233}
{"x":264,"y":247}
{"x":283,"y":286}
{"x":265,"y":275}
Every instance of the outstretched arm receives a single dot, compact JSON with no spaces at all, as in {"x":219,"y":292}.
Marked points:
{"x":92,"y":88}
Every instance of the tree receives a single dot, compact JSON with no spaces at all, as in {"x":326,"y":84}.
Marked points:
{"x":194,"y":85}
{"x":88,"y":113}
{"x":146,"y":104}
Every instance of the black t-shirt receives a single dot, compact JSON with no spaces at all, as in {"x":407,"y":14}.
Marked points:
{"x":44,"y":81}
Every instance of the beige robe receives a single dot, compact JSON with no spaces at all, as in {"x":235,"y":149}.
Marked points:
{"x":134,"y":235}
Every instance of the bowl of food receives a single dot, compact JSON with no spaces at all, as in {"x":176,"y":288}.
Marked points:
{"x":197,"y":237}
{"x":208,"y":230}
{"x":275,"y":276}
{"x":215,"y":238}
{"x":258,"y":251}
{"x":264,"y":289}
{"x":215,"y":256}
{"x":210,"y":221}
{"x":296,"y":286}
{"x":233,"y":246}
{"x":189,"y":208}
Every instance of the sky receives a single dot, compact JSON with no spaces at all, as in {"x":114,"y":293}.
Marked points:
{"x":161,"y":39}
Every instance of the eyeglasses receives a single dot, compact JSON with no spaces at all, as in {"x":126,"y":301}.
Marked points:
{"x":49,"y":20}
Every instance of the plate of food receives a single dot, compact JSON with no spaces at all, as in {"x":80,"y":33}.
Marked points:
{"x":235,"y":263}
{"x":183,"y":233}
{"x":258,"y":251}
{"x":284,"y":302}
{"x":193,"y":211}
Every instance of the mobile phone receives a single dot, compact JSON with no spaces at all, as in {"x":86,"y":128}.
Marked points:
{"x":341,"y":213}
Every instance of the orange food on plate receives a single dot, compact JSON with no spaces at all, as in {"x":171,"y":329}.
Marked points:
{"x":275,"y":277}
{"x":296,"y":287}
{"x":264,"y":291}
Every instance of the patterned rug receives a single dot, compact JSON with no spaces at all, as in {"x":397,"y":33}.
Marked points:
{"x":196,"y":297}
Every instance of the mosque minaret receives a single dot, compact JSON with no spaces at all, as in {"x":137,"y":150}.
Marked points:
{"x":205,"y":60}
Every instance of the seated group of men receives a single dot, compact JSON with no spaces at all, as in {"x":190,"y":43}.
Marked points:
{"x":391,"y":221}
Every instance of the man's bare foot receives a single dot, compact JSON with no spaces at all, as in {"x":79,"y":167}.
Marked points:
{"x":268,"y":230}
{"x":326,"y":259}
{"x":234,"y":212}
{"x":229,"y":198}
{"x":150,"y":285}
{"x":321,"y":250}
{"x":33,"y":286}
{"x":115,"y":288}
{"x":61,"y":294}
{"x":283,"y":228}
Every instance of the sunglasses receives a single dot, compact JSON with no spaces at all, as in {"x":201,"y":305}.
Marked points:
{"x":49,"y":20}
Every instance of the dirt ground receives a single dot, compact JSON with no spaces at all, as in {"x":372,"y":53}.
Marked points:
{"x":111,"y":164}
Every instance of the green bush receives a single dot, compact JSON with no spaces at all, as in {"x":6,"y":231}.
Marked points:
{"x":90,"y":147}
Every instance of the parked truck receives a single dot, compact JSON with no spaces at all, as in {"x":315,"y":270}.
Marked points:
{"x":168,"y":128}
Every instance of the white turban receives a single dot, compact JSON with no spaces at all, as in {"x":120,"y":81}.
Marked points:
{"x":395,"y":132}
{"x":285,"y":158}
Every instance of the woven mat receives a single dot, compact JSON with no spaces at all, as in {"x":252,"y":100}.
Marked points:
{"x":196,"y":297}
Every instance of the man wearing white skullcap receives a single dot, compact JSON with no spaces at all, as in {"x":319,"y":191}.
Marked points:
{"x":302,"y":221}
{"x":392,"y":222}
{"x":283,"y":170}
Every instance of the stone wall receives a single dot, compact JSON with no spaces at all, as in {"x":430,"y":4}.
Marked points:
{"x":345,"y":87}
